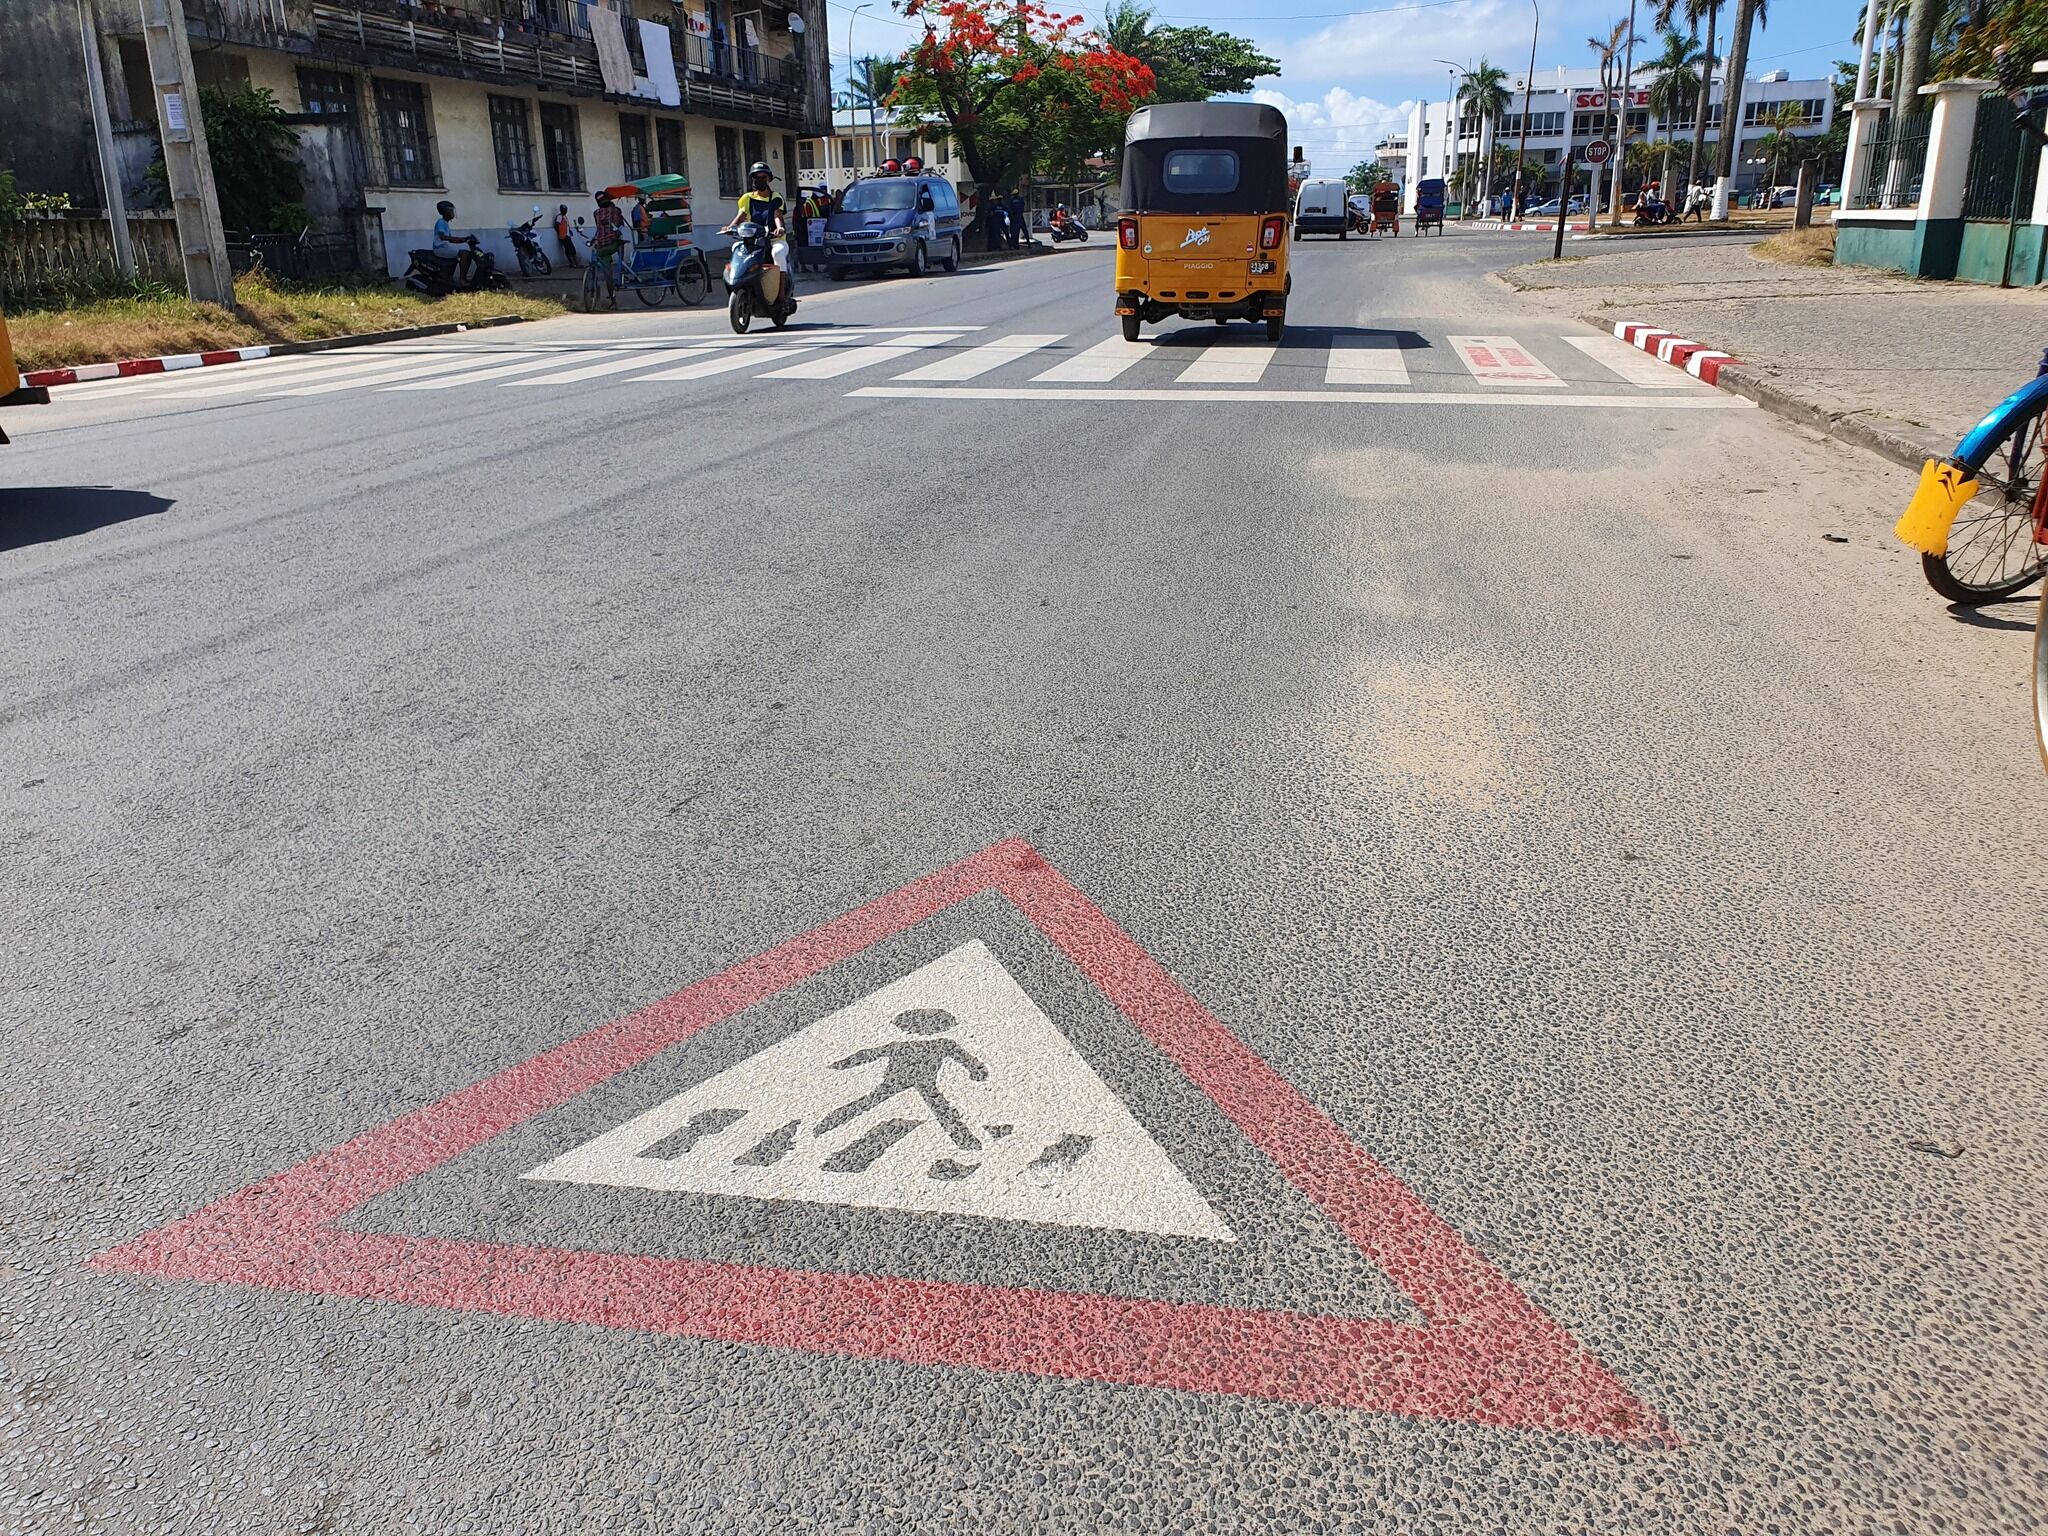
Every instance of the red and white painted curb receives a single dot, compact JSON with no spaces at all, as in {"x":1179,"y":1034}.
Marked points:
{"x":140,"y":365}
{"x":1502,"y":227}
{"x":1696,"y":358}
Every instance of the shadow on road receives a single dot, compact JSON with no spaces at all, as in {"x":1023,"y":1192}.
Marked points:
{"x":1979,"y":618}
{"x":33,"y":515}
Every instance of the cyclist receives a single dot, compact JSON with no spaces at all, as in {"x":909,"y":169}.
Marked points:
{"x":608,"y":241}
{"x":759,"y":204}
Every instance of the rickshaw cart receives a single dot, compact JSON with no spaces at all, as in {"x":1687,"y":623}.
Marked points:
{"x":1386,"y":209}
{"x":1429,"y":205}
{"x":666,"y":257}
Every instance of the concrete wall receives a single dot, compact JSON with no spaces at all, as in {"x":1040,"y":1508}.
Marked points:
{"x":1892,"y":245}
{"x":46,"y":133}
{"x":1982,"y":257}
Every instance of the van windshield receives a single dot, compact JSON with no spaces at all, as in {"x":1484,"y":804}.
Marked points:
{"x":887,"y":195}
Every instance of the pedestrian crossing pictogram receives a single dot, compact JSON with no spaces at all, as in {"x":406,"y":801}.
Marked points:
{"x":948,"y":1091}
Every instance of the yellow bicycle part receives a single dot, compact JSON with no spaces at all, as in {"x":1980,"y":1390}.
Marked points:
{"x":1943,"y":492}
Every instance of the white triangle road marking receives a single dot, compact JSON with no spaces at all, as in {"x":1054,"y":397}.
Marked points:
{"x":1099,"y":364}
{"x":835,"y":363}
{"x":1502,"y":361}
{"x":1368,"y":359}
{"x":1228,"y":364}
{"x":948,"y":1091}
{"x":976,"y":361}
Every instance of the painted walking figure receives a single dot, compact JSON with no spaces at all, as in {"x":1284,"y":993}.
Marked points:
{"x":913,"y":1066}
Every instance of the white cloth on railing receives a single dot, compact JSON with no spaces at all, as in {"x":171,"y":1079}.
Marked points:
{"x":613,"y":61}
{"x":661,"y":64}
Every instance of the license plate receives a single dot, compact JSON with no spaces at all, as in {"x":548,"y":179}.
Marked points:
{"x":1943,"y":492}
{"x":1261,"y":268}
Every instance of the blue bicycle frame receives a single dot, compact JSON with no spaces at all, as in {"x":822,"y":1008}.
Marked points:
{"x":1972,"y":450}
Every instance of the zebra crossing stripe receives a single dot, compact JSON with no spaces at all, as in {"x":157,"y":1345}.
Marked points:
{"x":632,"y":362}
{"x":1624,"y":361}
{"x":1501,"y":360}
{"x":1228,"y":364}
{"x":1366,"y":359}
{"x":976,"y":361}
{"x":1099,"y":364}
{"x":417,"y":368}
{"x":486,"y":371}
{"x":834,"y":363}
{"x":730,"y":361}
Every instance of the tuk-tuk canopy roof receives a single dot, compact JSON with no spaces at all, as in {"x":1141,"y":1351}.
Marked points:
{"x":652,"y":186}
{"x":1255,"y":135}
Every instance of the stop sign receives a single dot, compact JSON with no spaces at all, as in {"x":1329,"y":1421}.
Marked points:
{"x":1597,"y":151}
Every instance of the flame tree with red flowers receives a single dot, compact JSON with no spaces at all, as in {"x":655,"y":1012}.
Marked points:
{"x":1014,"y":83}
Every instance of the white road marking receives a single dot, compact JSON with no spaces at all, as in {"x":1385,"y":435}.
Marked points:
{"x":835,"y":363}
{"x":262,"y":376}
{"x":1228,"y":364}
{"x":1099,"y":364}
{"x":948,"y":1091}
{"x":732,"y":361}
{"x":156,"y":385}
{"x":976,"y":361}
{"x":1371,"y":358}
{"x":631,"y":362}
{"x":1637,"y":367}
{"x":418,"y":368}
{"x":1501,"y":360}
{"x":1687,"y":402}
{"x":486,"y":371}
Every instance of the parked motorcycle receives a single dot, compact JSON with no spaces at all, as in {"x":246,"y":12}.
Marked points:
{"x":757,"y":285}
{"x":1069,"y":229}
{"x":533,"y":261}
{"x":434,"y":276}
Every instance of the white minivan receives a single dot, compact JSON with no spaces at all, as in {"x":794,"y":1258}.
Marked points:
{"x":1320,"y":209}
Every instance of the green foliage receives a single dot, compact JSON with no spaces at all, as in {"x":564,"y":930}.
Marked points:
{"x":1187,"y":63}
{"x":255,"y":159}
{"x":1485,"y":88}
{"x":1366,"y":175}
{"x":17,"y":206}
{"x":1674,"y":77}
{"x":1966,"y":31}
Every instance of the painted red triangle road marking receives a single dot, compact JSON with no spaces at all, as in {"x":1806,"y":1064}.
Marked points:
{"x":1485,"y":1352}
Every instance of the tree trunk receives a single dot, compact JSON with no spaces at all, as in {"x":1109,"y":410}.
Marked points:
{"x":1731,"y":107}
{"x":1913,"y":60}
{"x":1699,"y":127}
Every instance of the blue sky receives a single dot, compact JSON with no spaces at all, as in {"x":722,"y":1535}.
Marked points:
{"x":1350,"y":68}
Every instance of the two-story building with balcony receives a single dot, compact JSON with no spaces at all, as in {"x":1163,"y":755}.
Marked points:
{"x":860,"y":141}
{"x":496,"y":105}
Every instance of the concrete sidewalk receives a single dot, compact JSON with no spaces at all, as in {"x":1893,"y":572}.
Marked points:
{"x":1896,"y":364}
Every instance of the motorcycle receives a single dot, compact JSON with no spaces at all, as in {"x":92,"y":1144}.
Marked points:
{"x":434,"y":276}
{"x":757,"y":285}
{"x":1069,"y":229}
{"x":533,"y":261}
{"x":1651,"y":214}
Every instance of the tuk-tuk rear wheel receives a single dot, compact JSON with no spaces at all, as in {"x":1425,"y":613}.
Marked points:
{"x":1276,"y":326}
{"x":1130,"y":327}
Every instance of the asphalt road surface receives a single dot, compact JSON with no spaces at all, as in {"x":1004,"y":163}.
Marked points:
{"x":936,"y":923}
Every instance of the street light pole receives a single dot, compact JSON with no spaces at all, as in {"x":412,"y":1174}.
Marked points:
{"x":1451,"y":133}
{"x":865,"y":5}
{"x":1528,"y":85}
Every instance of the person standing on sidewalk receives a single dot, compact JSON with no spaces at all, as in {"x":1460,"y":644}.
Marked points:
{"x":565,"y":236}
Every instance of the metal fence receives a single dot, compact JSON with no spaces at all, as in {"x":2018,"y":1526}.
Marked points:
{"x":1896,"y":161}
{"x":67,"y":257}
{"x":2003,"y":164}
{"x":297,"y":257}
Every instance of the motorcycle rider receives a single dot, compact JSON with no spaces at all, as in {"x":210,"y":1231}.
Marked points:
{"x":759,"y":204}
{"x":461,"y":253}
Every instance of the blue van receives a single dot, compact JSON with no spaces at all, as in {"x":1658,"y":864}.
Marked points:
{"x":912,"y":222}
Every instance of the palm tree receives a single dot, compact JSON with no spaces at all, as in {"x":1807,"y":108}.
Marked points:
{"x":1781,"y":143}
{"x":1664,"y":10}
{"x":1748,"y":13}
{"x":872,"y":83}
{"x":1485,"y":86}
{"x":1674,"y":83}
{"x":1609,"y":51}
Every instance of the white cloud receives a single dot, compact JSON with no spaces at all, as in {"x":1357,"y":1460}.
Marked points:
{"x":1407,"y":44}
{"x":1338,"y":126}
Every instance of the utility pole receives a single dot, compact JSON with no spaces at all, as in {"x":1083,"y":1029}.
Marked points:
{"x":111,"y":194}
{"x":1529,"y":85}
{"x":1564,"y":180}
{"x":208,"y":277}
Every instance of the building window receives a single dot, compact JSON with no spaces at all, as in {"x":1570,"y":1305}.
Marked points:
{"x":327,"y":93}
{"x":633,"y":155}
{"x":1590,"y":125}
{"x":807,"y":155}
{"x":730,"y":182}
{"x":1755,"y":112}
{"x":407,"y":137}
{"x":756,"y":145}
{"x":668,"y":143}
{"x":562,"y":146}
{"x":1540,"y":124}
{"x":846,"y":154}
{"x":899,"y":147}
{"x":512,"y":143}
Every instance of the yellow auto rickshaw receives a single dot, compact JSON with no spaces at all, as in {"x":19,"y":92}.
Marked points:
{"x":1202,"y":232}
{"x":12,"y":390}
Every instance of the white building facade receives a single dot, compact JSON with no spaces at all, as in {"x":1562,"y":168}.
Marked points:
{"x":1572,"y":99}
{"x":861,"y":142}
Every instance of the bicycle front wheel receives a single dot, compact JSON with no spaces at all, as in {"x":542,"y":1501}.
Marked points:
{"x":1991,"y":549}
{"x":593,"y":285}
{"x":691,"y":284}
{"x":2041,"y":678}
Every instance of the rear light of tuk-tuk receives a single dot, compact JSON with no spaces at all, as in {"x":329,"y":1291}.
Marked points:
{"x":1272,"y":232}
{"x":1127,"y":234}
